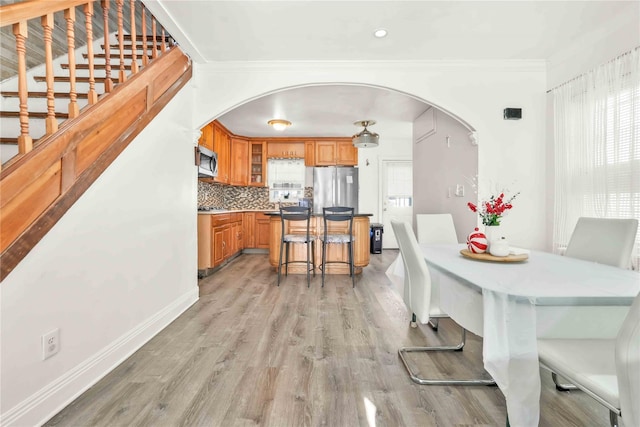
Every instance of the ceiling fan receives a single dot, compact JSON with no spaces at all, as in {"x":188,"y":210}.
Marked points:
{"x":365,"y":139}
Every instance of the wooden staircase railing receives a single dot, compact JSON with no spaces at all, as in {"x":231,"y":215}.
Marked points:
{"x":28,"y":13}
{"x":44,"y":180}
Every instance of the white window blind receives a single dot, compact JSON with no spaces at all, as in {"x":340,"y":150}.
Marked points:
{"x":597,"y":147}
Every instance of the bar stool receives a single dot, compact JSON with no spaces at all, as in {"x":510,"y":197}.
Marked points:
{"x":333,"y":215}
{"x":290,"y":214}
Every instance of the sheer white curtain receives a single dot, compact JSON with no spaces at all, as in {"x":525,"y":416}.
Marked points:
{"x":597,"y":147}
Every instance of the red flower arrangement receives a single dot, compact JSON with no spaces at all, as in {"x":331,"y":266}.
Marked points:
{"x":492,"y":210}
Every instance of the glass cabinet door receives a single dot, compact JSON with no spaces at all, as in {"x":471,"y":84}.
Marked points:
{"x":257,"y":164}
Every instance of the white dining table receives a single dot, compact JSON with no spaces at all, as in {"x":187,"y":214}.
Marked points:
{"x":512,"y":304}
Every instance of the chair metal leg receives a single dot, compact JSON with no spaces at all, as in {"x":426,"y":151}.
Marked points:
{"x":613,"y":419}
{"x":324,"y":258}
{"x":562,"y":387}
{"x":308,"y":272}
{"x":425,"y":381}
{"x":433,"y":322}
{"x":286,"y":257}
{"x":351,"y":266}
{"x":280,"y":261}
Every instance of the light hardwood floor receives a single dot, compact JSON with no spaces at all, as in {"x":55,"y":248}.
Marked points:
{"x":251,"y":353}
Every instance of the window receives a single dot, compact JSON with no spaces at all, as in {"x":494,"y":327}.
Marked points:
{"x":597,"y":147}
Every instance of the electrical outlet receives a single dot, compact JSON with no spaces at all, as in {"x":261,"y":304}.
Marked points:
{"x":50,"y":343}
{"x":460,"y":190}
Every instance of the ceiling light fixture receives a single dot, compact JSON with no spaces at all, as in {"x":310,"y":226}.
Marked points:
{"x":279,"y":124}
{"x":365,"y":138}
{"x":380,"y":33}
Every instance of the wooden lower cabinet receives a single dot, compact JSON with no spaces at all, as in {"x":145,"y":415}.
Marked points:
{"x":262,"y":231}
{"x":335,"y":252}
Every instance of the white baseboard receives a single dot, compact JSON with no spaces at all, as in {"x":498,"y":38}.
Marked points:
{"x":49,"y":400}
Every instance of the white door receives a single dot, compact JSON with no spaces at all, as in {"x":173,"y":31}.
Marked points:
{"x":397,"y":197}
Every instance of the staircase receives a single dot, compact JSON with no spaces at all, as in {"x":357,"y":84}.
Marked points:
{"x":65,"y":121}
{"x":37,"y":93}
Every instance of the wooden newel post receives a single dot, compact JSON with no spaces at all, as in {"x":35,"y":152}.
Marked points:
{"x":70,"y":16}
{"x":47,"y":26}
{"x":25,"y":143}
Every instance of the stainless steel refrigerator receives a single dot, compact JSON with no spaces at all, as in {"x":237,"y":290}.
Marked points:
{"x":335,"y":186}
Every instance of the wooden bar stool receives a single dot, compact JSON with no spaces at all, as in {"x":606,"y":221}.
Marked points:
{"x":333,"y":215}
{"x":290,"y":214}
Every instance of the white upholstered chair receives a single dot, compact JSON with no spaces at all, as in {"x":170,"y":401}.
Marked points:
{"x":607,"y":369}
{"x":418,"y":297}
{"x":436,"y":228}
{"x":602,"y":240}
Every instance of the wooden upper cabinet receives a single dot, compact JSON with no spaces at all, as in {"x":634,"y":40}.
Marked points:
{"x":257,"y":164}
{"x":206,"y":137}
{"x":221,"y":145}
{"x":239,"y":170}
{"x":287,"y":150}
{"x":340,"y":153}
{"x":346,"y":153}
{"x":309,"y":153}
{"x":325,"y":153}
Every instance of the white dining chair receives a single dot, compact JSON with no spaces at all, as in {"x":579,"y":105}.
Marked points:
{"x":418,"y":297}
{"x":603,"y":240}
{"x":436,"y":229}
{"x":606,"y":369}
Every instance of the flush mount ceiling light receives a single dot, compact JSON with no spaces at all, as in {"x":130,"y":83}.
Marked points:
{"x":279,"y":124}
{"x":365,"y":138}
{"x":380,"y":33}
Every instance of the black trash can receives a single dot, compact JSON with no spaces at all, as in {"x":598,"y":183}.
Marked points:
{"x":375,"y":234}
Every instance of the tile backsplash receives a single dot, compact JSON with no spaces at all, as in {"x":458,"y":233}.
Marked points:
{"x":232,"y":197}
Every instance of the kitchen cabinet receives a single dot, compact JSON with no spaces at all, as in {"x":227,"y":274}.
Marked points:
{"x":239,"y":170}
{"x":220,"y":237}
{"x":286,"y":150}
{"x":206,"y":137}
{"x":221,"y":145}
{"x":309,"y":153}
{"x":248,"y":228}
{"x":257,"y":164}
{"x":256,"y":230}
{"x":335,"y":153}
{"x":262,"y":231}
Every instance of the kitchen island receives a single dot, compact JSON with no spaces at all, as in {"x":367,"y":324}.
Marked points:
{"x":335,"y":252}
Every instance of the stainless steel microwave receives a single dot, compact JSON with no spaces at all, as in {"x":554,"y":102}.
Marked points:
{"x":208,"y":167}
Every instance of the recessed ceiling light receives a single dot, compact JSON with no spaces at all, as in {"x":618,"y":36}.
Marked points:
{"x":279,"y":124}
{"x":380,"y":33}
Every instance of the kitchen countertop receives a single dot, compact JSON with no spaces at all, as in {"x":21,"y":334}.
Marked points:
{"x":223,"y":211}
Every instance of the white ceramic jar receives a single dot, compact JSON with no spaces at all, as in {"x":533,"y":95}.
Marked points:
{"x":499,"y":247}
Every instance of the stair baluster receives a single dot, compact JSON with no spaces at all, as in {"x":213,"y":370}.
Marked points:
{"x":123,"y":75}
{"x":108,"y":82}
{"x":25,"y":142}
{"x":70,"y":17}
{"x":51,"y":124}
{"x":164,"y":44}
{"x":154,"y":52}
{"x":134,"y":58}
{"x":92,"y":96}
{"x":145,"y":56}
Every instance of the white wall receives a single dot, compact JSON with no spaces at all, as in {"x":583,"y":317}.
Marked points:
{"x":476,"y":91}
{"x":439,"y":168}
{"x":601,"y":45}
{"x":115,"y":270}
